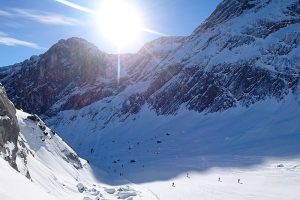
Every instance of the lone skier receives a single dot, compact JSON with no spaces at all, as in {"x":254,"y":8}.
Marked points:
{"x":187,"y":175}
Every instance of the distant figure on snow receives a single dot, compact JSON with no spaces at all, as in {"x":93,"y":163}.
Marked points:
{"x":220,"y":179}
{"x":173,"y":184}
{"x":187,"y":175}
{"x":239,"y":181}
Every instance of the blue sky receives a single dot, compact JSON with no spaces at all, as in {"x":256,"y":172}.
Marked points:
{"x":30,"y":27}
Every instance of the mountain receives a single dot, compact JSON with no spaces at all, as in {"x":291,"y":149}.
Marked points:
{"x":224,"y":98}
{"x":244,"y":52}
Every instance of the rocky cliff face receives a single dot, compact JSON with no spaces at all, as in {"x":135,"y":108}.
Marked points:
{"x":22,"y":135}
{"x":9,"y":129}
{"x":37,"y":83}
{"x":246,"y":51}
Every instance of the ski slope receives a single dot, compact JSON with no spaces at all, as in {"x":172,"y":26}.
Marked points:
{"x":153,"y":151}
{"x":14,"y":186}
{"x":265,"y":181}
{"x":54,"y":175}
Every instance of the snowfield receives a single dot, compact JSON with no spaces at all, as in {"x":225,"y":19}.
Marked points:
{"x":258,"y":145}
{"x":257,"y":157}
{"x":264,"y":181}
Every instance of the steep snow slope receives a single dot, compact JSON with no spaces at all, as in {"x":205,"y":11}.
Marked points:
{"x":55,"y":168}
{"x":14,"y":186}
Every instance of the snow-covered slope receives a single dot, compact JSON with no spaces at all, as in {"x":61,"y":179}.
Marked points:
{"x":14,"y":186}
{"x":240,"y":143}
{"x":168,"y":150}
{"x":36,"y":164}
{"x":56,"y":169}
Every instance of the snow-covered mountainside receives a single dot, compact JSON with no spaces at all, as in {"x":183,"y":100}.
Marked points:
{"x":222,"y":102}
{"x":45,"y":167}
{"x":246,"y":51}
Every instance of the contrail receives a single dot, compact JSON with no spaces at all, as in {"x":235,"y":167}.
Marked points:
{"x":76,"y":6}
{"x":153,"y":32}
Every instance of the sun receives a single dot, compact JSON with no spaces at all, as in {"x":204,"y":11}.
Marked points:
{"x":120,"y":22}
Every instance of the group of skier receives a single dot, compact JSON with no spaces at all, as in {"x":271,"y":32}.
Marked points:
{"x":239,"y":180}
{"x":219,"y":179}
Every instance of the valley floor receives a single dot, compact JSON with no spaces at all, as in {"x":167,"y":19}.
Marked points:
{"x":272,"y":180}
{"x":275,"y":179}
{"x":258,"y":145}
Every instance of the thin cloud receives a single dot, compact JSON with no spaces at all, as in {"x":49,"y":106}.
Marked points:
{"x":9,"y":41}
{"x":44,"y":17}
{"x":39,"y":16}
{"x":4,"y":13}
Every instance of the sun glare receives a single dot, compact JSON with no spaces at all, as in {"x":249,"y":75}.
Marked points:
{"x":120,"y":22}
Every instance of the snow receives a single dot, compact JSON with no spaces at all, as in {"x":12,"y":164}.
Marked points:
{"x":10,"y":146}
{"x":53,"y":176}
{"x":246,"y":143}
{"x":193,"y":156}
{"x":110,"y":190}
{"x":4,"y":117}
{"x":207,"y":48}
{"x":263,"y":181}
{"x":14,"y":186}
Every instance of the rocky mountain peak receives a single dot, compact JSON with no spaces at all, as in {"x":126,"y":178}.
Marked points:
{"x":67,"y":64}
{"x":74,"y":44}
{"x":229,"y":9}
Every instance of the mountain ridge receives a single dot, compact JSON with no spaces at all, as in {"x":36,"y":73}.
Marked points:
{"x":160,"y":61}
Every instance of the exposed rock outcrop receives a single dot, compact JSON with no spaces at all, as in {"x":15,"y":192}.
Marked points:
{"x":9,"y":129}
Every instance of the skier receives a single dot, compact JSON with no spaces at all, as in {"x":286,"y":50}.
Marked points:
{"x":187,"y":175}
{"x":239,"y":181}
{"x":173,"y":184}
{"x":219,"y":179}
